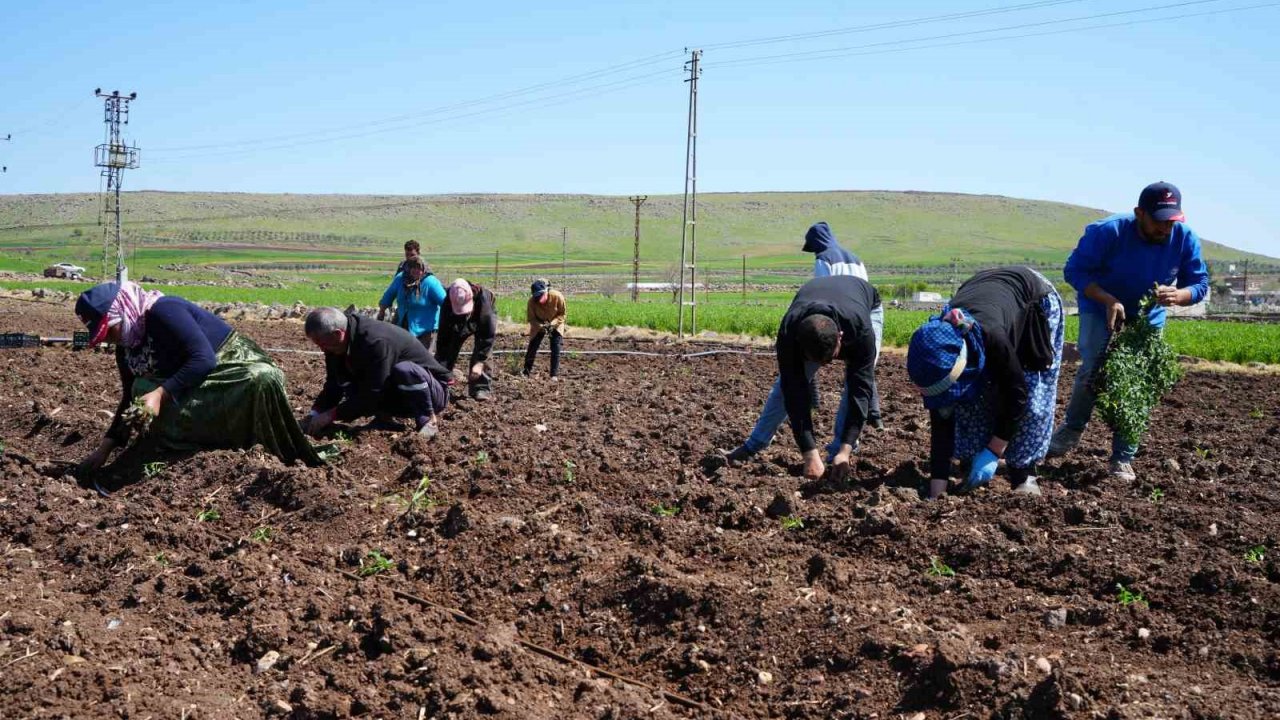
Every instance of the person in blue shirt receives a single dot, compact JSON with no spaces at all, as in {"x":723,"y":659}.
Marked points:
{"x":1117,"y":262}
{"x":418,"y":296}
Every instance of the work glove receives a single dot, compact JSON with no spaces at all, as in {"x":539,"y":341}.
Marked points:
{"x":983,"y":469}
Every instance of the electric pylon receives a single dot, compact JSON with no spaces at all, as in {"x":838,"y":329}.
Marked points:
{"x":114,"y":157}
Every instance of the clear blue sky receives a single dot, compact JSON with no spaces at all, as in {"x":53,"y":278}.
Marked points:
{"x":1081,"y":117}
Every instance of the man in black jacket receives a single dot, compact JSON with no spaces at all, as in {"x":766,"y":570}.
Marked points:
{"x":829,"y":319}
{"x":373,"y":368}
{"x":471,"y":311}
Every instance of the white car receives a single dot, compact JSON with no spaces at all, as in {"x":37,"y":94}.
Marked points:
{"x":64,"y":270}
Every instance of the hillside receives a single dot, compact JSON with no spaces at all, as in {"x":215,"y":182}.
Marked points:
{"x":885,"y":228}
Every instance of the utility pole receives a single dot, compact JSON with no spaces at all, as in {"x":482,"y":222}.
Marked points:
{"x":564,"y":258}
{"x":6,"y":138}
{"x":744,"y":278}
{"x":635,"y":257}
{"x":954,"y":277}
{"x":114,"y":157}
{"x":688,"y":228}
{"x":1246,"y":285}
{"x":495,"y":271}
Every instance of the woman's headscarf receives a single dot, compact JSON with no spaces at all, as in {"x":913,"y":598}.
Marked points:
{"x":946,"y":358}
{"x":410,"y":284}
{"x":104,"y":306}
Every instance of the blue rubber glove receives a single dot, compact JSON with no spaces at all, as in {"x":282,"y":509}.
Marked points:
{"x":983,"y":469}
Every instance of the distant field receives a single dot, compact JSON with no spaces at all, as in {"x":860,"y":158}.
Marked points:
{"x":727,"y":313}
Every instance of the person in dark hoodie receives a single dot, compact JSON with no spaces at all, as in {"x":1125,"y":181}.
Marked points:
{"x":987,"y":368}
{"x":829,"y":319}
{"x":469,"y":312}
{"x":204,"y":384}
{"x":374,"y":368}
{"x":831,"y":259}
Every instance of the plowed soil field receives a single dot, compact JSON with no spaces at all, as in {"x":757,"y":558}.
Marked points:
{"x":576,"y":552}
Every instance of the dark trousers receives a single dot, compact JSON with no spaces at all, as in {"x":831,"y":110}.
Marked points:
{"x":413,"y":392}
{"x":532,"y":353}
{"x":428,"y":340}
{"x":448,"y":347}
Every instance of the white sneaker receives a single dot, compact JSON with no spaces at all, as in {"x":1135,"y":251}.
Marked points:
{"x":1029,"y":487}
{"x":1122,"y":470}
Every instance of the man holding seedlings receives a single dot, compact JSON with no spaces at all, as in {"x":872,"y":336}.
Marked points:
{"x":829,"y":319}
{"x":830,"y":258}
{"x":188,"y":380}
{"x":987,"y":369}
{"x":546,"y":313}
{"x":1118,"y":261}
{"x":374,"y":368}
{"x":470,"y":312}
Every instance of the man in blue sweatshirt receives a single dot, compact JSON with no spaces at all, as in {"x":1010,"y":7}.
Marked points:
{"x":1117,"y":262}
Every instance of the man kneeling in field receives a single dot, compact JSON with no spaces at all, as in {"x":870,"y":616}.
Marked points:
{"x":374,"y":368}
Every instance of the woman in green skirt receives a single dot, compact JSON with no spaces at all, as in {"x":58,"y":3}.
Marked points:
{"x":187,"y":377}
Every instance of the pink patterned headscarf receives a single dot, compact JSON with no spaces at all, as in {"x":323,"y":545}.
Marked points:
{"x":129,"y":311}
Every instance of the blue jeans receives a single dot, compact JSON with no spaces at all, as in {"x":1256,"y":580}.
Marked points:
{"x":775,"y":409}
{"x":1093,"y":341}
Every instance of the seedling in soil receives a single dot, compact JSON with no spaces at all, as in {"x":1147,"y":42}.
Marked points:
{"x":153,"y":469}
{"x":1256,"y":555}
{"x":208,"y":515}
{"x":1256,"y":413}
{"x":938,"y":568}
{"x":161,"y":559}
{"x":666,"y":510}
{"x":421,"y":499}
{"x":261,"y":534}
{"x":792,"y":522}
{"x":568,"y":472}
{"x":1156,"y":496}
{"x":341,"y":437}
{"x":482,"y":459}
{"x":1202,"y":452}
{"x":375,"y":562}
{"x":1127,"y":597}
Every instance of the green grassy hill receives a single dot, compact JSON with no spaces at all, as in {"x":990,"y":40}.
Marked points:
{"x":366,"y":231}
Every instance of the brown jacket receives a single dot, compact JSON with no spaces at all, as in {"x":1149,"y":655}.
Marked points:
{"x":550,"y":314}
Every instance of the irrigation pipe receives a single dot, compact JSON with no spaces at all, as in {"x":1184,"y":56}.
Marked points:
{"x":641,"y":353}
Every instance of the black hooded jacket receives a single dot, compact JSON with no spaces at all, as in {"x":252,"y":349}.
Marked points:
{"x":849,"y":301}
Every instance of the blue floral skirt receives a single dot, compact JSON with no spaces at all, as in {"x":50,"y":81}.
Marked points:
{"x":1030,"y":443}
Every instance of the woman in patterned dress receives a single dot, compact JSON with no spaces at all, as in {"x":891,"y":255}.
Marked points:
{"x":987,"y":369}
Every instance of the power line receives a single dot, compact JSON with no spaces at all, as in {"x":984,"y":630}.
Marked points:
{"x":570,"y":80}
{"x":580,"y":93}
{"x":889,"y":25}
{"x":841,"y":51}
{"x":1009,"y":37}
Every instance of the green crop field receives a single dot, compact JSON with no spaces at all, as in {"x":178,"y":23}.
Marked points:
{"x":725,"y":313}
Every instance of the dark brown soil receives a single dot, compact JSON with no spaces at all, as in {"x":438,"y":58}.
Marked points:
{"x":543,"y":528}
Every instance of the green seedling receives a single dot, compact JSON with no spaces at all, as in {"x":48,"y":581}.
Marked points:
{"x":792,"y":522}
{"x":341,"y":437}
{"x":1256,"y":413}
{"x":161,"y":559}
{"x":568,"y":472}
{"x":137,"y":417}
{"x":1156,"y":496}
{"x":1203,"y":453}
{"x":375,"y":562}
{"x":482,"y":459}
{"x":666,"y":510}
{"x":1127,"y":597}
{"x":1256,"y":555}
{"x":208,"y":515}
{"x":421,"y":499}
{"x":261,"y":534}
{"x":153,"y":469}
{"x":938,"y":568}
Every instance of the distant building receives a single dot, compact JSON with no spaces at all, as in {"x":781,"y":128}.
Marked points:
{"x":1236,"y":283}
{"x":926,"y":297}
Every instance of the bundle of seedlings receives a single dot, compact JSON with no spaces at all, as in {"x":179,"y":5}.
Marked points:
{"x":1138,"y":368}
{"x":137,"y":418}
